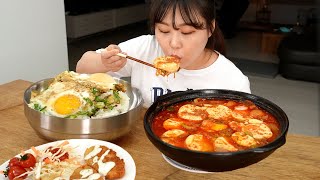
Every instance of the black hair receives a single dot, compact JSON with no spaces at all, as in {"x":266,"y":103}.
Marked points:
{"x":190,"y":11}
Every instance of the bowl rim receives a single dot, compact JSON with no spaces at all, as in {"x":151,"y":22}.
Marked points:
{"x":278,"y":142}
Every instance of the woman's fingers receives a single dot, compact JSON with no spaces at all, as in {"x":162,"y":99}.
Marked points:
{"x":118,"y":65}
{"x":110,"y":56}
{"x":111,"y":60}
{"x":112,"y":46}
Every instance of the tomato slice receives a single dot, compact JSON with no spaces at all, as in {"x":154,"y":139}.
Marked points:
{"x":15,"y":171}
{"x":27,"y":160}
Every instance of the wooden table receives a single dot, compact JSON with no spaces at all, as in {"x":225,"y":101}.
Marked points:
{"x":299,"y":158}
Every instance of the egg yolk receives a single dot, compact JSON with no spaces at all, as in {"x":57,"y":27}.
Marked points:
{"x":67,"y":104}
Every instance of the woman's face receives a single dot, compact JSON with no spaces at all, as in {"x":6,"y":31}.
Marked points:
{"x":186,"y":42}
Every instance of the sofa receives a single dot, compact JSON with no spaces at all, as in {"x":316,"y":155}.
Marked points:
{"x":299,"y":55}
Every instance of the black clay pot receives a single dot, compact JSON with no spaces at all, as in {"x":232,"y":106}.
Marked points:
{"x":215,"y":161}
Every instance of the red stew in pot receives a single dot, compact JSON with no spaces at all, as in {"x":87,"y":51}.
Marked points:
{"x":213,"y":125}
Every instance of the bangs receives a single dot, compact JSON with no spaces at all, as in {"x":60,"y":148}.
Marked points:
{"x":189,"y":15}
{"x":189,"y":10}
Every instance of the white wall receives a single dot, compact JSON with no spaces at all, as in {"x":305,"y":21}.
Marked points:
{"x":33,"y":43}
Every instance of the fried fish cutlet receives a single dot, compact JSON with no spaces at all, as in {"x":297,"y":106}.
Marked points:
{"x":105,"y":161}
{"x":86,"y":172}
{"x":118,"y":170}
{"x":92,"y":153}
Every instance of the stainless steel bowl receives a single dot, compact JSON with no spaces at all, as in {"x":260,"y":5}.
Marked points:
{"x":54,"y":128}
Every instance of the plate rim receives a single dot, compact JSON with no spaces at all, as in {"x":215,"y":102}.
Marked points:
{"x":182,"y":166}
{"x":85,"y":143}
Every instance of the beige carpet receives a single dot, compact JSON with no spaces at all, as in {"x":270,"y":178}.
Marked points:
{"x":300,"y":100}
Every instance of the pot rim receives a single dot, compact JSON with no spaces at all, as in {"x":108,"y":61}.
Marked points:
{"x":154,"y":108}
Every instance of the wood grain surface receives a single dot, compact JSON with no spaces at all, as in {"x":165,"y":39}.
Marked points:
{"x":299,"y":158}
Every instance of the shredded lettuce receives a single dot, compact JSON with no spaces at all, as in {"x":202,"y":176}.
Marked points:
{"x":39,"y":108}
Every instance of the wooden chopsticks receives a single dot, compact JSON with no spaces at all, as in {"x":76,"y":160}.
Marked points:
{"x":135,"y":59}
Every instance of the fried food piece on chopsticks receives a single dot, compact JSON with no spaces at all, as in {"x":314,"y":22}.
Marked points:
{"x":167,"y":65}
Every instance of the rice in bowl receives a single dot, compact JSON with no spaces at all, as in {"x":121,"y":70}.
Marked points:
{"x":73,"y":95}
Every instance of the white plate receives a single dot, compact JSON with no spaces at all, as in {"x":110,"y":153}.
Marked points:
{"x":82,"y":144}
{"x":182,"y":166}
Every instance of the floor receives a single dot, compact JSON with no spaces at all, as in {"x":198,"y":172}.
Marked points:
{"x":300,"y":100}
{"x":251,"y":49}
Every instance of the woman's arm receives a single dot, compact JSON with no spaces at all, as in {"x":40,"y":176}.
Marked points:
{"x":90,"y":62}
{"x":105,"y":61}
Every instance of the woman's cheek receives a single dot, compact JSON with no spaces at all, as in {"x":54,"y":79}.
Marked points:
{"x":164,"y":43}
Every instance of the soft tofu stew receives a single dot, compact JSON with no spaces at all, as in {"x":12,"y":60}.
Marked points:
{"x":214,"y":125}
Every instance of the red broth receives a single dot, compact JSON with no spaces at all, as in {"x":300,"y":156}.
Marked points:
{"x":215,"y":125}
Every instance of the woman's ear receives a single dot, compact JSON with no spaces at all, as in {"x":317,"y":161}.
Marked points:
{"x":213,"y":25}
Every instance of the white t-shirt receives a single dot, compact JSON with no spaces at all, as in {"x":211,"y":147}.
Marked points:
{"x":222,"y":74}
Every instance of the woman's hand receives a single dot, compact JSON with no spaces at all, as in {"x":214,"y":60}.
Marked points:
{"x":111,"y":60}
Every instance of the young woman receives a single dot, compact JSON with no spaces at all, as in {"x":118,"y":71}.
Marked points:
{"x":183,"y":28}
